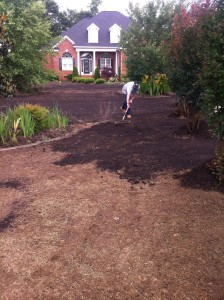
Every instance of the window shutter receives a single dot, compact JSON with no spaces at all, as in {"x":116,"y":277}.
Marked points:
{"x":74,"y":62}
{"x":60,"y":63}
{"x":99,"y":63}
{"x":112,"y":63}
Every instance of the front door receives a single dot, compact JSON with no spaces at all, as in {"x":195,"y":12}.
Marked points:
{"x":86,"y":66}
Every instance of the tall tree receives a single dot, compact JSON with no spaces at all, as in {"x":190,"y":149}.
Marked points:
{"x":94,"y":6}
{"x":61,"y":21}
{"x":141,"y":43}
{"x":29,"y":31}
{"x":7,"y":88}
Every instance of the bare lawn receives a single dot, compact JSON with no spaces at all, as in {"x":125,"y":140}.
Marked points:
{"x":111,"y":211}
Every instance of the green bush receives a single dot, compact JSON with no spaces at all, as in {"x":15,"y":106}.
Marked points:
{"x":100,"y":81}
{"x":89,"y":80}
{"x":97,"y":73}
{"x":74,"y":79}
{"x":39,"y":114}
{"x":80,"y":79}
{"x":75,"y":73}
{"x":27,"y":119}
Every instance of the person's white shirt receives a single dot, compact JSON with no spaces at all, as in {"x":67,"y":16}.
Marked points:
{"x":127,"y":88}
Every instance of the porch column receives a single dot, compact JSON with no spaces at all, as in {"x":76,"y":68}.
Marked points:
{"x":94,"y":61}
{"x":78,"y":62}
{"x":116,"y":63}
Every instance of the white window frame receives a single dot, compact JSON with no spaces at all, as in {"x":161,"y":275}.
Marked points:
{"x":105,"y":62}
{"x":67,"y":62}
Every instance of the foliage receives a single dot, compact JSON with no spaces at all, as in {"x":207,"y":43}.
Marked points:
{"x":113,"y":79}
{"x":107,"y":72}
{"x":142,"y":41}
{"x":56,"y":119}
{"x":4,"y":132}
{"x":61,"y":21}
{"x":155,"y":85}
{"x":83,"y":80}
{"x":38,"y":112}
{"x":212,"y":77}
{"x":100,"y":81}
{"x":52,"y":76}
{"x":183,"y":56}
{"x":25,"y":120}
{"x":75,"y":73}
{"x":217,"y":164}
{"x":7,"y":87}
{"x":96,"y":73}
{"x":93,"y":6}
{"x":183,"y":53}
{"x":89,"y":80}
{"x":27,"y":123}
{"x":28,"y":29}
{"x":76,"y":79}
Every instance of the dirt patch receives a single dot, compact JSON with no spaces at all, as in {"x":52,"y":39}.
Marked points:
{"x":112,"y":211}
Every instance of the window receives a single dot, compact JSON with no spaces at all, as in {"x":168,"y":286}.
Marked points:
{"x":67,"y":62}
{"x":115,"y":32}
{"x":93,"y":33}
{"x":105,"y":61}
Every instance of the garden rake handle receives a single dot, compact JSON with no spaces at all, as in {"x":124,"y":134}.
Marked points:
{"x":128,"y":106}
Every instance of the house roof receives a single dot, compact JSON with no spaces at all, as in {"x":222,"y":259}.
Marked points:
{"x":104,"y":20}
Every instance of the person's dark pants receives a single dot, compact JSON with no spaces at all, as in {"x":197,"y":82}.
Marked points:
{"x":124,"y":104}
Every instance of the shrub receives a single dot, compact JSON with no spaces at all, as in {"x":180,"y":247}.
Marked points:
{"x":107,"y":72}
{"x":155,"y":85}
{"x":3,"y":130}
{"x":52,"y":76}
{"x":27,"y":123}
{"x":56,"y":119}
{"x":27,"y":119}
{"x":100,"y":81}
{"x":113,"y":79}
{"x":74,"y":79}
{"x":39,"y":114}
{"x":89,"y":80}
{"x":75,"y":73}
{"x":80,"y":79}
{"x":97,"y":73}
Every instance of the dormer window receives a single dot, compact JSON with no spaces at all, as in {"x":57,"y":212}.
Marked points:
{"x":115,"y":32}
{"x":93,"y":33}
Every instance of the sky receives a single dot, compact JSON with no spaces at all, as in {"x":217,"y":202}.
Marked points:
{"x":117,"y":5}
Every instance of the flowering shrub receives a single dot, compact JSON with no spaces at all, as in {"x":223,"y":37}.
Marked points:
{"x":155,"y":85}
{"x":107,"y":72}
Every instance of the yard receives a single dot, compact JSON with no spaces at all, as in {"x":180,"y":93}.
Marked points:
{"x":111,"y":211}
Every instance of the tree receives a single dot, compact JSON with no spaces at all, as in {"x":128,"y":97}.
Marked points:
{"x":29,"y":32}
{"x":7,"y":88}
{"x":142,"y":41}
{"x":184,"y":56}
{"x":61,"y":21}
{"x":212,"y":79}
{"x":93,"y":6}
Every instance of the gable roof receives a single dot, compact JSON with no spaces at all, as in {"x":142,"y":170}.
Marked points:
{"x":104,"y":20}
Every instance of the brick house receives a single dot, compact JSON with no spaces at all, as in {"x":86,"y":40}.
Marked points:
{"x":90,"y":43}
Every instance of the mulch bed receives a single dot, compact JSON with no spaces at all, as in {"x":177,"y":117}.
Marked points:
{"x":111,"y":210}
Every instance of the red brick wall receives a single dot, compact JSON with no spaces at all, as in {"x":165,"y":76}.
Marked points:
{"x":123,"y":65}
{"x":53,"y":62}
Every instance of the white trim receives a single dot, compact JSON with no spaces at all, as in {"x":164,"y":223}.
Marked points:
{"x":62,"y":40}
{"x":115,"y":26}
{"x":92,"y":26}
{"x":96,"y":49}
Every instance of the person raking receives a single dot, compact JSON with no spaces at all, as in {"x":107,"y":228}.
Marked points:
{"x":129,"y":92}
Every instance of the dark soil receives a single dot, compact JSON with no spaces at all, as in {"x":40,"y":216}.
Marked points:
{"x":110,"y":209}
